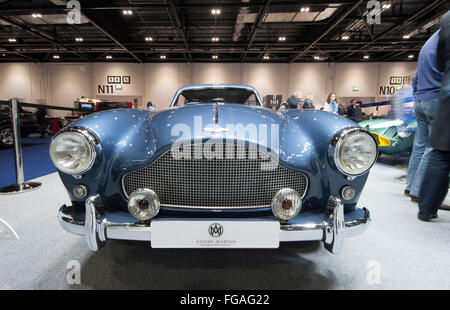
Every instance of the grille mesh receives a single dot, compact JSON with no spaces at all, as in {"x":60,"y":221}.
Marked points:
{"x":221,"y":182}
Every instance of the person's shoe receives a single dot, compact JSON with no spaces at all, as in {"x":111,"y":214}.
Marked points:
{"x":426,"y":217}
{"x":414,"y":199}
{"x":444,"y":207}
{"x":406,"y":193}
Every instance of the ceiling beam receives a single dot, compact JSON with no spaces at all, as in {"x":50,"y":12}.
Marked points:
{"x":334,"y":25}
{"x":109,"y":24}
{"x":89,"y":6}
{"x":180,"y":26}
{"x":261,"y":14}
{"x":398,"y":27}
{"x":223,"y":50}
{"x":42,"y":35}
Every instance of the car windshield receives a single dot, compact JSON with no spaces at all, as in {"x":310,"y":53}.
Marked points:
{"x":211,"y":95}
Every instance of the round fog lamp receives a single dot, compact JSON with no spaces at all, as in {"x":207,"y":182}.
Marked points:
{"x":286,"y":204}
{"x":80,"y":191}
{"x":143,"y":204}
{"x":348,"y":192}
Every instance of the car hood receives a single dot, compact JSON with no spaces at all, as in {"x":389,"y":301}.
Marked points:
{"x":132,"y":139}
{"x":206,"y":121}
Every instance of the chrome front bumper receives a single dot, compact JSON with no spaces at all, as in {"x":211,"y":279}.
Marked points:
{"x":331,"y":227}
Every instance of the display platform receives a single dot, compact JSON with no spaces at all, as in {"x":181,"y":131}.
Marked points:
{"x":396,"y":252}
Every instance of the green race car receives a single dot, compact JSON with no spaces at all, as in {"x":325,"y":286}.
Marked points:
{"x":399,"y":133}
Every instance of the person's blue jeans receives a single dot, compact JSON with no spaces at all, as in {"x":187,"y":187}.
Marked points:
{"x":424,"y":111}
{"x":436,"y":179}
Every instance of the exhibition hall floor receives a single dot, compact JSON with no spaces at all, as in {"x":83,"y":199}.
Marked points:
{"x":396,"y":252}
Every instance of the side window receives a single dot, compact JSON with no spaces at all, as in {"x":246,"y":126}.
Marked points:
{"x":251,"y":100}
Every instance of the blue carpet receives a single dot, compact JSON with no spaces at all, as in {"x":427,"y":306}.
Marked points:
{"x":36,"y":161}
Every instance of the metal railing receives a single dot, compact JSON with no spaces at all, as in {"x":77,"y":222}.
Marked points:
{"x":21,"y":186}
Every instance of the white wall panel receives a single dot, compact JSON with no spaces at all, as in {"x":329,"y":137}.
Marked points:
{"x":163,"y":80}
{"x":61,"y":83}
{"x":268,"y":79}
{"x":67,"y":83}
{"x":216,"y":73}
{"x":364,"y":75}
{"x":309,"y":78}
{"x":16,"y":81}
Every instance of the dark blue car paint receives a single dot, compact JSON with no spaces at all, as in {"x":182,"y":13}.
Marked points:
{"x":131,"y":139}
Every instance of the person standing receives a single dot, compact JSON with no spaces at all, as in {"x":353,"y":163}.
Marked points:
{"x":331,"y":105}
{"x":426,"y":86}
{"x":354,"y":111}
{"x":435,"y":181}
{"x":342,"y":109}
{"x":308,"y":104}
{"x":294,"y":100}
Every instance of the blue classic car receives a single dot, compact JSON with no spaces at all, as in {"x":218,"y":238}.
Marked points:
{"x":214,"y":170}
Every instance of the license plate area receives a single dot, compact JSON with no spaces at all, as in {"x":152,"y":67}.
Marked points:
{"x":215,"y":233}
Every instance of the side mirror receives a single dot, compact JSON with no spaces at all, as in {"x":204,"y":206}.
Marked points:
{"x":151,"y":106}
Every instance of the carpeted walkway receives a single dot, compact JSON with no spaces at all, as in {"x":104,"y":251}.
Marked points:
{"x":397,"y":251}
{"x":36,"y":161}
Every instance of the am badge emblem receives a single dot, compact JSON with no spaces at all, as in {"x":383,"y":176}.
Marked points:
{"x":215,"y":230}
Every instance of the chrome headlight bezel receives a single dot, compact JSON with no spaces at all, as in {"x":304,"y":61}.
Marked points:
{"x":92,"y":142}
{"x":404,"y":131}
{"x":336,"y":144}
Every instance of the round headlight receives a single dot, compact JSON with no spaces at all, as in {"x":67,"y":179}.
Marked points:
{"x":72,"y":152}
{"x":355,"y":152}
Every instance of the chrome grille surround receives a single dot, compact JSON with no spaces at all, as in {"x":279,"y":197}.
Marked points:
{"x":224,"y":183}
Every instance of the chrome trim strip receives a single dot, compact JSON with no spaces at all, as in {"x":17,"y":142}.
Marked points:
{"x":91,"y":223}
{"x":332,"y":230}
{"x":213,"y":208}
{"x":68,"y":223}
{"x":334,"y":225}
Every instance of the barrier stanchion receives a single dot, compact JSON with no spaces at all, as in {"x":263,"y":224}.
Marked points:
{"x":21,"y":186}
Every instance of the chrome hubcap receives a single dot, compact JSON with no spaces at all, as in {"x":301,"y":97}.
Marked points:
{"x":6,"y":136}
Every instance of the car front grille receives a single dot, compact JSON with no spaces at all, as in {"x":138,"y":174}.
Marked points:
{"x":225,"y":181}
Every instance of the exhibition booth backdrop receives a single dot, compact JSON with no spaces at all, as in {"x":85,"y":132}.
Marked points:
{"x":61,"y":83}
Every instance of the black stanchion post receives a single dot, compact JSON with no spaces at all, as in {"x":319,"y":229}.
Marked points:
{"x":21,"y":186}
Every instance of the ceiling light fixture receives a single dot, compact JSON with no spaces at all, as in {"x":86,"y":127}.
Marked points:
{"x":386,"y":5}
{"x":127,"y":12}
{"x":266,"y":57}
{"x":215,"y":39}
{"x":148,"y":39}
{"x":304,"y":10}
{"x":366,"y":56}
{"x":411,"y":56}
{"x":36,"y":15}
{"x":281,"y":38}
{"x":345,"y":37}
{"x":108,"y":57}
{"x":56,"y":57}
{"x":12,"y":40}
{"x":406,"y":37}
{"x":215,"y":56}
{"x":216,"y":11}
{"x":162,"y":56}
{"x":79,"y":39}
{"x":317,"y":57}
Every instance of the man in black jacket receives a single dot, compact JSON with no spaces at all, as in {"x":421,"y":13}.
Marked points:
{"x":435,"y":183}
{"x":354,"y":111}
